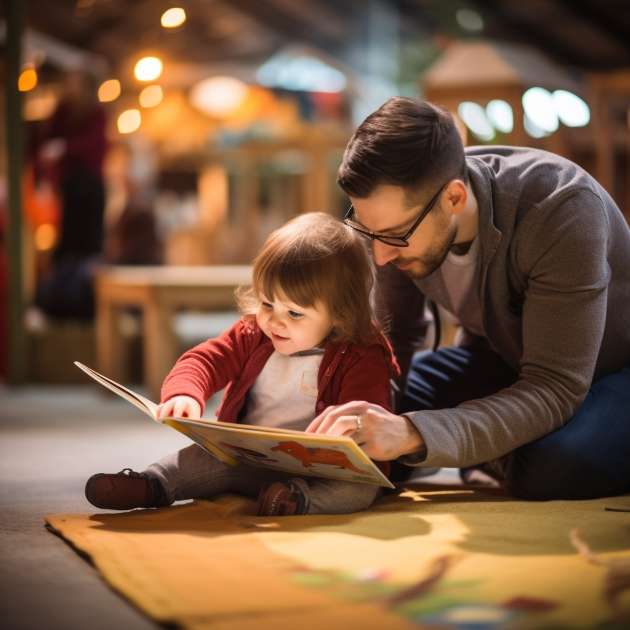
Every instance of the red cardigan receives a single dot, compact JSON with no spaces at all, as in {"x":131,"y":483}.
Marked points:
{"x":235,"y":359}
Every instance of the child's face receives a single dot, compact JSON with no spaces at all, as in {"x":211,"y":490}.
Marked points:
{"x":293,"y":328}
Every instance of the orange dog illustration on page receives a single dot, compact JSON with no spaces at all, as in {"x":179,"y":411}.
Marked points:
{"x":309,"y":456}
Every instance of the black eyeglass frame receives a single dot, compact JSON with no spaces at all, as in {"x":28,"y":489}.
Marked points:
{"x":393,"y":241}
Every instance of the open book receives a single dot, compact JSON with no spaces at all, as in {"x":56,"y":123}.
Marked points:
{"x":294,"y":452}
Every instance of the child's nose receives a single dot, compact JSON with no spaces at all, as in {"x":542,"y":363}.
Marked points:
{"x":276,"y":319}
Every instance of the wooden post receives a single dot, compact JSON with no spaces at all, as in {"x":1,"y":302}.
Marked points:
{"x":14,"y":134}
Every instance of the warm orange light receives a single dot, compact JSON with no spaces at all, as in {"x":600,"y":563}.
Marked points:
{"x":27,"y":80}
{"x":129,"y":121}
{"x":109,"y":90}
{"x":45,"y":237}
{"x":148,"y":69}
{"x":218,"y":96}
{"x":39,"y":104}
{"x":173,"y":17}
{"x":151,"y":96}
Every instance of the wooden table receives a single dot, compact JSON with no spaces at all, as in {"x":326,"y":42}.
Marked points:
{"x":159,"y":292}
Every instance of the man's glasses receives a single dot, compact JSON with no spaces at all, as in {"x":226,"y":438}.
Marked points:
{"x":389,"y":239}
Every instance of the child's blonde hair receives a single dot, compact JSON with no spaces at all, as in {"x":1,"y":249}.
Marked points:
{"x":316,"y":258}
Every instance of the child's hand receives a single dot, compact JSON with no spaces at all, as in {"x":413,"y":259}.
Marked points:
{"x":180,"y":407}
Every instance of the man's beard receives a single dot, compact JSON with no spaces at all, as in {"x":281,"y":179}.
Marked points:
{"x":423,"y":266}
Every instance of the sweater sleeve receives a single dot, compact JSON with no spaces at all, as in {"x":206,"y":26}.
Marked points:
{"x":563,"y":254}
{"x":210,"y":366}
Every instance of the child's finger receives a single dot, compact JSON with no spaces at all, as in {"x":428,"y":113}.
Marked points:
{"x":194,"y":410}
{"x":180,"y":410}
{"x":164,"y":410}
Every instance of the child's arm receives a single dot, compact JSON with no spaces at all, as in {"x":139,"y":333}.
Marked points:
{"x":211,"y":365}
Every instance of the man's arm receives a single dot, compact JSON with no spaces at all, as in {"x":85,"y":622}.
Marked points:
{"x":563,"y":254}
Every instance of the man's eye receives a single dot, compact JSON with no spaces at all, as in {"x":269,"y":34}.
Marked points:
{"x":295,"y":315}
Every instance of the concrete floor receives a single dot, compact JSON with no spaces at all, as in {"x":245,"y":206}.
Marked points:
{"x":51,"y":440}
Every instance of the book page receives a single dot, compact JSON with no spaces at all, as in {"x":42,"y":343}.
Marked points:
{"x":142,"y":403}
{"x":299,"y":453}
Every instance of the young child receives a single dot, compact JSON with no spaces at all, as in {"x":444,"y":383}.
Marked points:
{"x":306,"y":341}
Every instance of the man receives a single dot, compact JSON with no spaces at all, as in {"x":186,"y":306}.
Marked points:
{"x":532,"y":256}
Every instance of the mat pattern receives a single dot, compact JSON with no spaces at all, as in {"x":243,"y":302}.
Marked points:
{"x":428,"y":557}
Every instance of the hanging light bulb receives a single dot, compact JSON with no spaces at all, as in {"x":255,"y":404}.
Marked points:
{"x":173,"y":17}
{"x":148,"y":69}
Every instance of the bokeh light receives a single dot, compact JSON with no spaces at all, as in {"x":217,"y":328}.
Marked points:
{"x":151,"y":96}
{"x":173,"y":17}
{"x":218,"y":96}
{"x":45,"y":237}
{"x":469,"y":20}
{"x":571,"y":109}
{"x":148,"y":69}
{"x":474,"y":117}
{"x":500,"y":115}
{"x":27,"y":80}
{"x":540,"y":110}
{"x":109,"y":90}
{"x":129,"y":121}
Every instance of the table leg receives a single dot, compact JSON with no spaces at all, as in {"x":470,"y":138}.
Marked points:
{"x":160,"y":346}
{"x":108,"y":340}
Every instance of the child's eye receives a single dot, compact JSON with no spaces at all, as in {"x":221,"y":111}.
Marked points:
{"x":266,"y":304}
{"x":295,"y":315}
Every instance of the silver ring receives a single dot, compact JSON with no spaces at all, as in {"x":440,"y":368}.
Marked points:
{"x":357,"y":419}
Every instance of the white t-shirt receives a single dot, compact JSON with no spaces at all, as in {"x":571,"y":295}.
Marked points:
{"x":460,"y":275}
{"x":285,"y":392}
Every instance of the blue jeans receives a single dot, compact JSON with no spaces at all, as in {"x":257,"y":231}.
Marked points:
{"x":588,"y":457}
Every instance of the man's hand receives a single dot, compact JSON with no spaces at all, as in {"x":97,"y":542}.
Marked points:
{"x":180,"y":407}
{"x":382,"y":435}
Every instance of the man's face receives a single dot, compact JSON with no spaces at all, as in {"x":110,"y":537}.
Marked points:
{"x":388,"y":210}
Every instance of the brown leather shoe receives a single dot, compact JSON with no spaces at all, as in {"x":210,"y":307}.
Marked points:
{"x":281,"y":498}
{"x":124,"y":491}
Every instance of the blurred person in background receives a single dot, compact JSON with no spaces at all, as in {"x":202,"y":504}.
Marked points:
{"x":69,"y":150}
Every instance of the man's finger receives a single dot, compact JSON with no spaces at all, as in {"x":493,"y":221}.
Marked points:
{"x":353,"y":408}
{"x":344,"y":425}
{"x":314,"y":425}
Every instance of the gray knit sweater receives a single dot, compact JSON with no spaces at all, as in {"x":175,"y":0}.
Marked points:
{"x":555,"y":295}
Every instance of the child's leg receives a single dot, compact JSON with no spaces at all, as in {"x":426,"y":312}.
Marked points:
{"x":332,"y":496}
{"x":192,"y":473}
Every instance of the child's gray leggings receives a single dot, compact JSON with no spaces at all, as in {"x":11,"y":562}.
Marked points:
{"x":192,"y":473}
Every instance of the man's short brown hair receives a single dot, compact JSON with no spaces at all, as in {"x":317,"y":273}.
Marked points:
{"x":406,"y":142}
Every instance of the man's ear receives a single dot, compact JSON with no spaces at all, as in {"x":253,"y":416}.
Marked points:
{"x":455,"y":196}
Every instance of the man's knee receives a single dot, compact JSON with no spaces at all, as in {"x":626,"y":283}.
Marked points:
{"x":544,"y":471}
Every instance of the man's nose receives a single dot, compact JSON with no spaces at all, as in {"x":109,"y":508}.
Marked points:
{"x":383,"y":253}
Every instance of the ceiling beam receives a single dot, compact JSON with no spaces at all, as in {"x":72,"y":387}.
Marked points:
{"x":530,"y":31}
{"x":287,"y":28}
{"x":612,"y":29}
